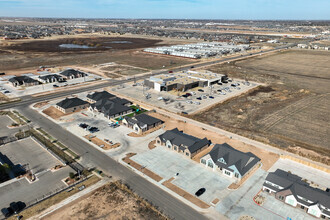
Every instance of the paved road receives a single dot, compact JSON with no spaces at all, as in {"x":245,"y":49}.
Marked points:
{"x":93,"y":157}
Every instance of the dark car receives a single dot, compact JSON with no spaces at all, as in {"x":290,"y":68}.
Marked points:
{"x":93,"y":129}
{"x":14,"y":206}
{"x":200,"y":90}
{"x":219,"y":90}
{"x":199,"y":98}
{"x":83,"y":125}
{"x":185,"y":113}
{"x":6,"y":91}
{"x":200,"y":192}
{"x":188,"y":94}
{"x":2,"y":74}
{"x":185,"y":96}
{"x":219,"y":83}
{"x":55,"y":86}
{"x":233,"y":85}
{"x":7,"y":212}
{"x":192,"y":67}
{"x":211,"y":97}
{"x":170,"y":71}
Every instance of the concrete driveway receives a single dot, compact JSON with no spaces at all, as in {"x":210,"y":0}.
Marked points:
{"x":192,"y":176}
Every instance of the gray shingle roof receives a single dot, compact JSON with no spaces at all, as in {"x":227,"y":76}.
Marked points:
{"x":70,"y":72}
{"x":96,"y":96}
{"x":50,"y":76}
{"x":71,"y":102}
{"x":299,"y":188}
{"x":109,"y":107}
{"x":22,"y":79}
{"x":243,"y":161}
{"x":179,"y":138}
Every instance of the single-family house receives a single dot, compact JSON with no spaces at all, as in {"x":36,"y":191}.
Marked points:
{"x":109,"y":108}
{"x":50,"y":78}
{"x":142,"y":123}
{"x":72,"y":74}
{"x":292,"y":190}
{"x":71,"y":105}
{"x":96,"y":96}
{"x":229,"y":161}
{"x":23,"y":81}
{"x":183,"y":143}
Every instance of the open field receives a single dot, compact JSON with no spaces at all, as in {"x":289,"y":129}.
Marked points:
{"x":292,"y":110}
{"x":26,"y":55}
{"x":112,"y":201}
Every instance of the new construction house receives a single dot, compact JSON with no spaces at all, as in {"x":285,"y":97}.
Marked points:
{"x":229,"y":161}
{"x":142,"y":123}
{"x":292,"y":190}
{"x":183,"y":143}
{"x":72,"y":74}
{"x":23,"y":81}
{"x":50,"y":78}
{"x":71,"y":105}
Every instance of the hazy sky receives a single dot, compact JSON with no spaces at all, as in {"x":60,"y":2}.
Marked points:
{"x":198,"y":9}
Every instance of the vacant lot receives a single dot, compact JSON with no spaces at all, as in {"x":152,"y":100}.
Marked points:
{"x":123,"y":70}
{"x":27,"y":55}
{"x":292,"y":110}
{"x":112,"y":201}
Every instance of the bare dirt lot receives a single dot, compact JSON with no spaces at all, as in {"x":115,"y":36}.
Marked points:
{"x":26,"y":55}
{"x":112,"y":201}
{"x":292,"y":110}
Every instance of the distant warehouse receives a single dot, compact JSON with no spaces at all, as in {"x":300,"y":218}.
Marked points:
{"x":199,"y":50}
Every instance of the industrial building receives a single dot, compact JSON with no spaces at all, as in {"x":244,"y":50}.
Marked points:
{"x":199,"y":50}
{"x":183,"y":81}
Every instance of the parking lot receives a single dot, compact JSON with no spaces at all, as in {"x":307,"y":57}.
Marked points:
{"x":5,"y":121}
{"x":30,"y":90}
{"x":28,"y":151}
{"x":199,"y":98}
{"x":192,"y":176}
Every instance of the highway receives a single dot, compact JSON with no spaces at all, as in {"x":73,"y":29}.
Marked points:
{"x":92,"y":157}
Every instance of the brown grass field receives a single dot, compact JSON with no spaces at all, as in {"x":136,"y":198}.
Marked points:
{"x":291,"y":110}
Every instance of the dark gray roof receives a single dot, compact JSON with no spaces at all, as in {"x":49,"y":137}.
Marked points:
{"x":22,"y":79}
{"x":96,"y":96}
{"x":242,"y":161}
{"x":70,"y":72}
{"x":71,"y":102}
{"x":50,"y":76}
{"x":299,"y":188}
{"x":110,"y":108}
{"x":179,"y":138}
{"x":143,"y":119}
{"x":121,"y":101}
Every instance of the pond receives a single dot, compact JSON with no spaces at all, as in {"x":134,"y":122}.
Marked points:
{"x":74,"y":46}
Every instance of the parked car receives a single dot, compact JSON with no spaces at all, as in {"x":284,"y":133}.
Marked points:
{"x":211,"y":97}
{"x":200,"y":90}
{"x":185,"y":96}
{"x":192,"y":67}
{"x":199,"y":98}
{"x":14,"y":207}
{"x":204,"y":97}
{"x":83,"y":125}
{"x":185,"y":113}
{"x":170,"y":71}
{"x":197,"y":103}
{"x":55,"y":85}
{"x":219,"y":90}
{"x":219,"y":83}
{"x":200,"y":192}
{"x":6,"y":91}
{"x":233,"y":85}
{"x":188,"y":94}
{"x":1,"y":74}
{"x":93,"y":129}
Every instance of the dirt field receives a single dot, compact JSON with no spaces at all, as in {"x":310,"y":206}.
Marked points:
{"x":112,"y":201}
{"x":292,"y":110}
{"x":55,"y":113}
{"x":123,"y":70}
{"x":26,"y":55}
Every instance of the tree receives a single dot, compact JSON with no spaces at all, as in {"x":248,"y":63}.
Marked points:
{"x":72,"y":175}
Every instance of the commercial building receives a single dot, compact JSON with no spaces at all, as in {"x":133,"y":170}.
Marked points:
{"x":292,"y":190}
{"x":183,"y":81}
{"x":71,"y":105}
{"x":182,"y":143}
{"x":229,"y":161}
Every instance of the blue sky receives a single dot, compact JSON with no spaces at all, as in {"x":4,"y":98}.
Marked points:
{"x":190,"y":9}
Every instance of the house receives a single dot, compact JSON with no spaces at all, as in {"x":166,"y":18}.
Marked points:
{"x":110,"y":108}
{"x":71,"y":105}
{"x":23,"y":81}
{"x":142,"y":123}
{"x":183,"y":143}
{"x":50,"y":78}
{"x":72,"y":74}
{"x":292,"y":190}
{"x":96,"y":96}
{"x":104,"y":95}
{"x":231,"y":162}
